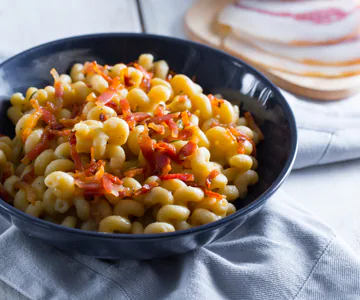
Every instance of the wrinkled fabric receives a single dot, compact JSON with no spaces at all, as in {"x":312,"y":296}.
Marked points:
{"x":328,"y":131}
{"x":283,"y":252}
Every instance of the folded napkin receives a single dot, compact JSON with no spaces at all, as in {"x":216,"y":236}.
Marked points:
{"x":328,"y":131}
{"x":281,"y":253}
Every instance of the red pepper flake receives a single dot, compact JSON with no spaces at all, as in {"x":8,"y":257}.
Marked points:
{"x":187,"y":150}
{"x":39,"y":148}
{"x":133,"y":172}
{"x":73,"y":152}
{"x":252,"y":124}
{"x":210,"y":178}
{"x":145,"y":188}
{"x":181,"y":176}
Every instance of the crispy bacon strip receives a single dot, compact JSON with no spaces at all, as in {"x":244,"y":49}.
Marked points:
{"x":145,"y":85}
{"x":157,"y":128}
{"x":30,"y":193}
{"x":210,"y":178}
{"x":187,"y":150}
{"x":99,"y":70}
{"x":145,"y":188}
{"x":70,"y":122}
{"x":164,"y":118}
{"x":147,"y":148}
{"x":163,"y":163}
{"x":147,"y":75}
{"x":105,"y":97}
{"x":252,"y":124}
{"x":168,"y":149}
{"x":185,"y":118}
{"x":39,"y":148}
{"x":173,"y":128}
{"x":127,"y":79}
{"x":140,"y":116}
{"x":73,"y":152}
{"x":159,"y":111}
{"x":215,"y":101}
{"x":207,"y":192}
{"x":29,"y":176}
{"x":212,"y":194}
{"x":59,"y":90}
{"x":30,"y":124}
{"x":48,"y":116}
{"x":181,"y":176}
{"x":133,"y":172}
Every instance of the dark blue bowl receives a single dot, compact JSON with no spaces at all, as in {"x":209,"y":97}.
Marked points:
{"x":216,"y":72}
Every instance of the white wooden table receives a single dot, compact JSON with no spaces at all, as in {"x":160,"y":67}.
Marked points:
{"x":330,"y":192}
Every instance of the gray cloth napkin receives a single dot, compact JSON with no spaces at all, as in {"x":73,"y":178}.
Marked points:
{"x":328,"y":131}
{"x":283,"y":252}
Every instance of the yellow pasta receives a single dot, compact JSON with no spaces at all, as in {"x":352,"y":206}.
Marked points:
{"x":132,"y":149}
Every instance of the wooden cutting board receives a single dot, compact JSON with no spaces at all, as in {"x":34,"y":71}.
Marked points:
{"x":201,"y":26}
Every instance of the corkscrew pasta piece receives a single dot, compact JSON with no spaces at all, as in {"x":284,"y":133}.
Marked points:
{"x":113,"y":224}
{"x":158,"y":227}
{"x":130,"y":148}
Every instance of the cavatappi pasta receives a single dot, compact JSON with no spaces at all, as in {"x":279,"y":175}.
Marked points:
{"x":127,"y":149}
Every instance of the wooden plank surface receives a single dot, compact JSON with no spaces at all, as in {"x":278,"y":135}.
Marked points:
{"x":24,"y":24}
{"x":165,"y":17}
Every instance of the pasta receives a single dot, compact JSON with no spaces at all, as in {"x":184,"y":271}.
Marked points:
{"x":133,"y":149}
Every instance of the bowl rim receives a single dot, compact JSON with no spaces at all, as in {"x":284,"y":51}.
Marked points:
{"x":9,"y":209}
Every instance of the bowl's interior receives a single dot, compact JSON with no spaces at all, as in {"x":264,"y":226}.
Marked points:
{"x":214,"y":71}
